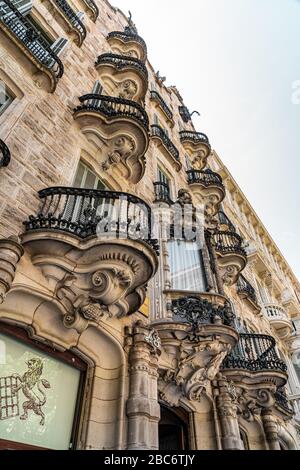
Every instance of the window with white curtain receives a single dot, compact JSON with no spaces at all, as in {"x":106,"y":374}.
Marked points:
{"x":186,"y":265}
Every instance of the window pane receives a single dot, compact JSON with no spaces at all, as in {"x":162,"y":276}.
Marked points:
{"x":38,"y":396}
{"x":79,"y":175}
{"x":186,"y":266}
{"x":6,"y":98}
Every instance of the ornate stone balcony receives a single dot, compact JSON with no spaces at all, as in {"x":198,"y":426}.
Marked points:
{"x":4,"y":154}
{"x":247,"y":291}
{"x":162,"y":105}
{"x":163,"y":140}
{"x":279,"y":320}
{"x":197,"y":146}
{"x":47,"y":67}
{"x":75,"y":25}
{"x":123,"y":126}
{"x":255,"y":355}
{"x":194,"y":343}
{"x":208,"y":187}
{"x":92,"y":9}
{"x":95,"y":250}
{"x":232,"y":257}
{"x":123,"y":76}
{"x":128,"y":43}
{"x":162,"y":192}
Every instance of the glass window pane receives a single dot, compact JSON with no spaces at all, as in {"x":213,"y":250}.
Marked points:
{"x":79,"y":175}
{"x":38,"y":395}
{"x":186,"y":266}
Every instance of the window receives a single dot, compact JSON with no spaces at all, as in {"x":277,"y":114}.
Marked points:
{"x":188,"y":162}
{"x":6,"y":97}
{"x":173,"y":429}
{"x":86,"y":178}
{"x":40,"y":391}
{"x":186,"y":266}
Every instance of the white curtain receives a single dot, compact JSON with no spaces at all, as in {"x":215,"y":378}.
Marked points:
{"x":186,"y":266}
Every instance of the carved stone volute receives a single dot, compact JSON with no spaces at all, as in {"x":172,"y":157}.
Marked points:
{"x":11,"y":251}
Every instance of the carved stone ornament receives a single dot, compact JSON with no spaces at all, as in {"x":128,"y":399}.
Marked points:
{"x":198,"y":362}
{"x":153,"y":339}
{"x":184,"y":197}
{"x":127,"y":89}
{"x":121,"y":148}
{"x":11,"y":251}
{"x":251,"y":402}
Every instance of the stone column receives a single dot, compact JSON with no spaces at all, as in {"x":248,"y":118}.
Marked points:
{"x":10,"y":253}
{"x":270,"y":429}
{"x":227,"y":413}
{"x":142,"y":408}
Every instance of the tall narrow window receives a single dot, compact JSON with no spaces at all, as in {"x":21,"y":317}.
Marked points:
{"x":165,"y":184}
{"x":186,"y":266}
{"x":86,"y":178}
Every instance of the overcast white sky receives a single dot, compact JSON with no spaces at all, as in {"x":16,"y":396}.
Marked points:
{"x":235,"y":61}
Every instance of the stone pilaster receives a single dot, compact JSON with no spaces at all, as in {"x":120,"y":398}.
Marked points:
{"x":227,"y":413}
{"x":10,"y":253}
{"x":142,"y":408}
{"x":270,"y":429}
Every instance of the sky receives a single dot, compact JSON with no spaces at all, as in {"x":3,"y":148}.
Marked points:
{"x":237,"y":62}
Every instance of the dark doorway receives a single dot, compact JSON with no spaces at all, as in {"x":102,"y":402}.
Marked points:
{"x":173,"y":429}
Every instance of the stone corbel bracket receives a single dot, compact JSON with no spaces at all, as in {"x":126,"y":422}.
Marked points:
{"x":94,"y":278}
{"x":191,"y":359}
{"x":11,"y":252}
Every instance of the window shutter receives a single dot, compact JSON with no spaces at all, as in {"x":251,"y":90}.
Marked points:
{"x":59,"y":45}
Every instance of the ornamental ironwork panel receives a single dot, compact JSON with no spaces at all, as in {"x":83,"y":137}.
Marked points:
{"x":200,"y":311}
{"x":4,"y":154}
{"x":206,"y":177}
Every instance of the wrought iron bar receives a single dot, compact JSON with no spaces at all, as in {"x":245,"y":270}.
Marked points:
{"x":159,"y":99}
{"x":31,"y":38}
{"x":244,"y":287}
{"x":195,"y":137}
{"x":228,"y":242}
{"x":199,"y":311}
{"x":127,"y":36}
{"x":162,"y":192}
{"x":72,"y":17}
{"x":89,"y":212}
{"x":4,"y":154}
{"x":157,"y":131}
{"x":206,"y":177}
{"x":254,"y":352}
{"x":113,"y":107}
{"x":121,"y":62}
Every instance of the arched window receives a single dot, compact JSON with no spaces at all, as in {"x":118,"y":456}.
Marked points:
{"x":173,"y":429}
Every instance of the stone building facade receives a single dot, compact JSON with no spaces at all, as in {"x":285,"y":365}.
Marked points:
{"x":143,"y":305}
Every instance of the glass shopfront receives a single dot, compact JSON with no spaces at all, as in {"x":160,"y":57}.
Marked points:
{"x":39,"y":396}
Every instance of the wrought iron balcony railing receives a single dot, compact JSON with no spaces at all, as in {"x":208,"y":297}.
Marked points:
{"x":128,"y":35}
{"x":205,"y":177}
{"x":162,"y":192}
{"x":111,"y":106}
{"x":199,"y":311}
{"x":91,"y":5}
{"x":228,"y":242}
{"x":283,"y":401}
{"x":4,"y":154}
{"x":88,"y":212}
{"x":122,"y":62}
{"x":195,"y":137}
{"x":72,"y":18}
{"x":157,"y":131}
{"x":154,"y":96}
{"x":254,"y":352}
{"x":30,"y":40}
{"x":244,"y":287}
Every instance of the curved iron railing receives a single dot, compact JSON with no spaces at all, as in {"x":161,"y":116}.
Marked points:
{"x":127,"y":36}
{"x":157,"y":131}
{"x":282,"y":400}
{"x":199,"y":311}
{"x":72,"y":17}
{"x":228,"y":242}
{"x":254,"y":352}
{"x":93,"y":8}
{"x":88,"y":212}
{"x":244,"y":287}
{"x":206,"y":177}
{"x":162,"y":192}
{"x":121,"y":62}
{"x":112,"y":106}
{"x":30,"y":37}
{"x":195,"y":137}
{"x":159,"y":99}
{"x":4,"y":154}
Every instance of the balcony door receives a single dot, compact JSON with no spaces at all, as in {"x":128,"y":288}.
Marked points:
{"x":173,"y":429}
